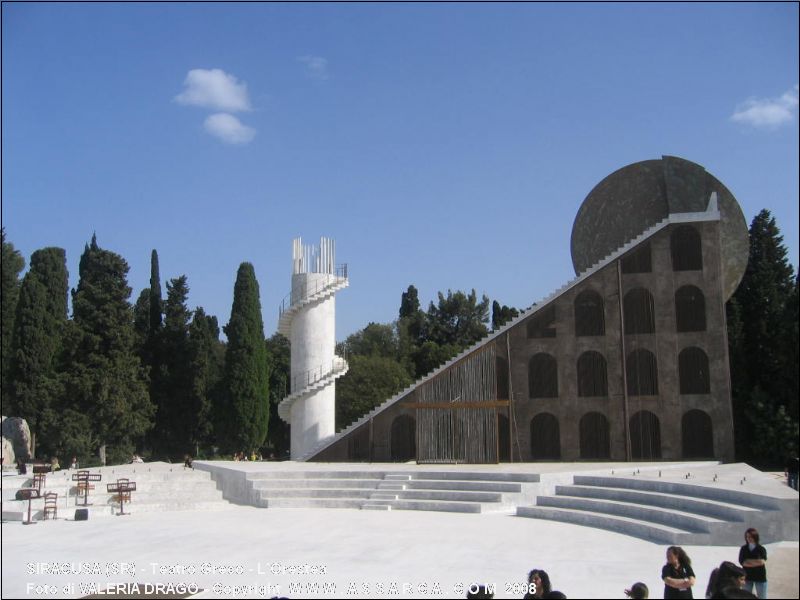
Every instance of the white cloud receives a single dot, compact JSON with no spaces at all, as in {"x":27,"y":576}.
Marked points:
{"x":768,"y":112}
{"x":229,"y":129}
{"x":316,"y":66}
{"x":214,"y":88}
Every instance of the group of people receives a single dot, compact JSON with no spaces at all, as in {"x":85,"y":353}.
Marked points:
{"x":241,"y":456}
{"x":729,"y":580}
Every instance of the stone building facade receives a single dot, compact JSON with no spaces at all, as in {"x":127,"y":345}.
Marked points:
{"x":629,"y":361}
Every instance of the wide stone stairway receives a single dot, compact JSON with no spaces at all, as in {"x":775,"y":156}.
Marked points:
{"x":461,"y":491}
{"x":667,"y":512}
{"x":159,"y":487}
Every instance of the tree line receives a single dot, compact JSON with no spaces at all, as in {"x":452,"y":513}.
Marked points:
{"x":155,"y":376}
{"x":115,"y":378}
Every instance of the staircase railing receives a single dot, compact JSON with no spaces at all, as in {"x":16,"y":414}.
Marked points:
{"x":301,"y":381}
{"x":301,"y":292}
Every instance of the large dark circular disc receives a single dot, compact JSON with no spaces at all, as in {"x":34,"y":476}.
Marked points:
{"x":630,"y":200}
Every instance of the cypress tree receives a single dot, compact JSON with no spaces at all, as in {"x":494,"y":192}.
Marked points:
{"x":279,"y":355}
{"x":502,"y":315}
{"x":152,"y":352}
{"x":141,"y":322}
{"x":103,"y":375}
{"x":156,"y":305}
{"x":246,"y":405}
{"x":38,"y":327}
{"x":12,"y":265}
{"x":207,"y":356}
{"x":173,"y":430}
{"x":762,"y":339}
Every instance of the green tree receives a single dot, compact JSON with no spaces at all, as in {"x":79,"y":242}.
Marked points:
{"x":279,"y":354}
{"x":410,"y":326}
{"x":502,"y":315}
{"x":103,"y":376}
{"x":457,"y":319}
{"x":246,"y":405}
{"x":369,"y":381}
{"x":173,"y":435}
{"x":156,"y":304}
{"x":141,"y":322}
{"x":762,"y":335}
{"x":207,"y":364}
{"x":12,"y":266}
{"x":374,"y":340}
{"x":38,"y":329}
{"x":775,"y":432}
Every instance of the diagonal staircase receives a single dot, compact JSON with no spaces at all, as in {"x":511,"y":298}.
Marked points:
{"x":711,"y":214}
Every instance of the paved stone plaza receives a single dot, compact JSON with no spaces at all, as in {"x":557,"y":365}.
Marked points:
{"x":281,"y":552}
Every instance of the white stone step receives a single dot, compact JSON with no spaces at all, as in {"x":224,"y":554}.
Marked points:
{"x":661,"y":534}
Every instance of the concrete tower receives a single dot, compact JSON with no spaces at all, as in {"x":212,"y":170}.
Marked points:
{"x":308,"y":319}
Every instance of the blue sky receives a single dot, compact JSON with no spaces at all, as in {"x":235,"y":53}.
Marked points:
{"x":441,"y":145}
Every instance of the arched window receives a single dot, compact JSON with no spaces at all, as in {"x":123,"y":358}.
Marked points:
{"x":595,"y":440}
{"x":404,"y":438}
{"x":642,"y":377}
{"x":589,"y":317}
{"x":503,"y":438}
{"x":543,"y":376}
{"x":543,"y":323}
{"x":545,"y":437}
{"x":592,"y":374}
{"x":698,"y":435}
{"x":637,"y":261}
{"x":645,"y":436}
{"x":690,"y":309}
{"x":687,"y":249}
{"x":639,"y":312}
{"x":501,"y":368}
{"x":693,"y":371}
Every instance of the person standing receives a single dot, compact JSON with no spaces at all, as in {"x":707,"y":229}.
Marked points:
{"x":677,"y":574}
{"x":753,"y":557}
{"x":791,"y":471}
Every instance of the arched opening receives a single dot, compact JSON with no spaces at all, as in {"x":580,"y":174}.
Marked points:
{"x":543,"y":376}
{"x":589,"y":316}
{"x":698,"y":434}
{"x":690,"y":309}
{"x":645,"y":436}
{"x":545,"y":437}
{"x":594,"y":436}
{"x":404,"y":438}
{"x":642,"y":373}
{"x":686,"y":248}
{"x":639,"y":311}
{"x":592,"y":374}
{"x":693,"y":371}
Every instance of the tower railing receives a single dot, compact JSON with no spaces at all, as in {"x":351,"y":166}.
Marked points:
{"x":300,"y":381}
{"x":304,"y":291}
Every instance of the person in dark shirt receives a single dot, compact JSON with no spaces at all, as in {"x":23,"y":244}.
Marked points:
{"x":753,"y":557}
{"x":791,"y":471}
{"x":677,"y":574}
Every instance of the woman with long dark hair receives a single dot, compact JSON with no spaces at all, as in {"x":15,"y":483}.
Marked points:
{"x":677,"y":574}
